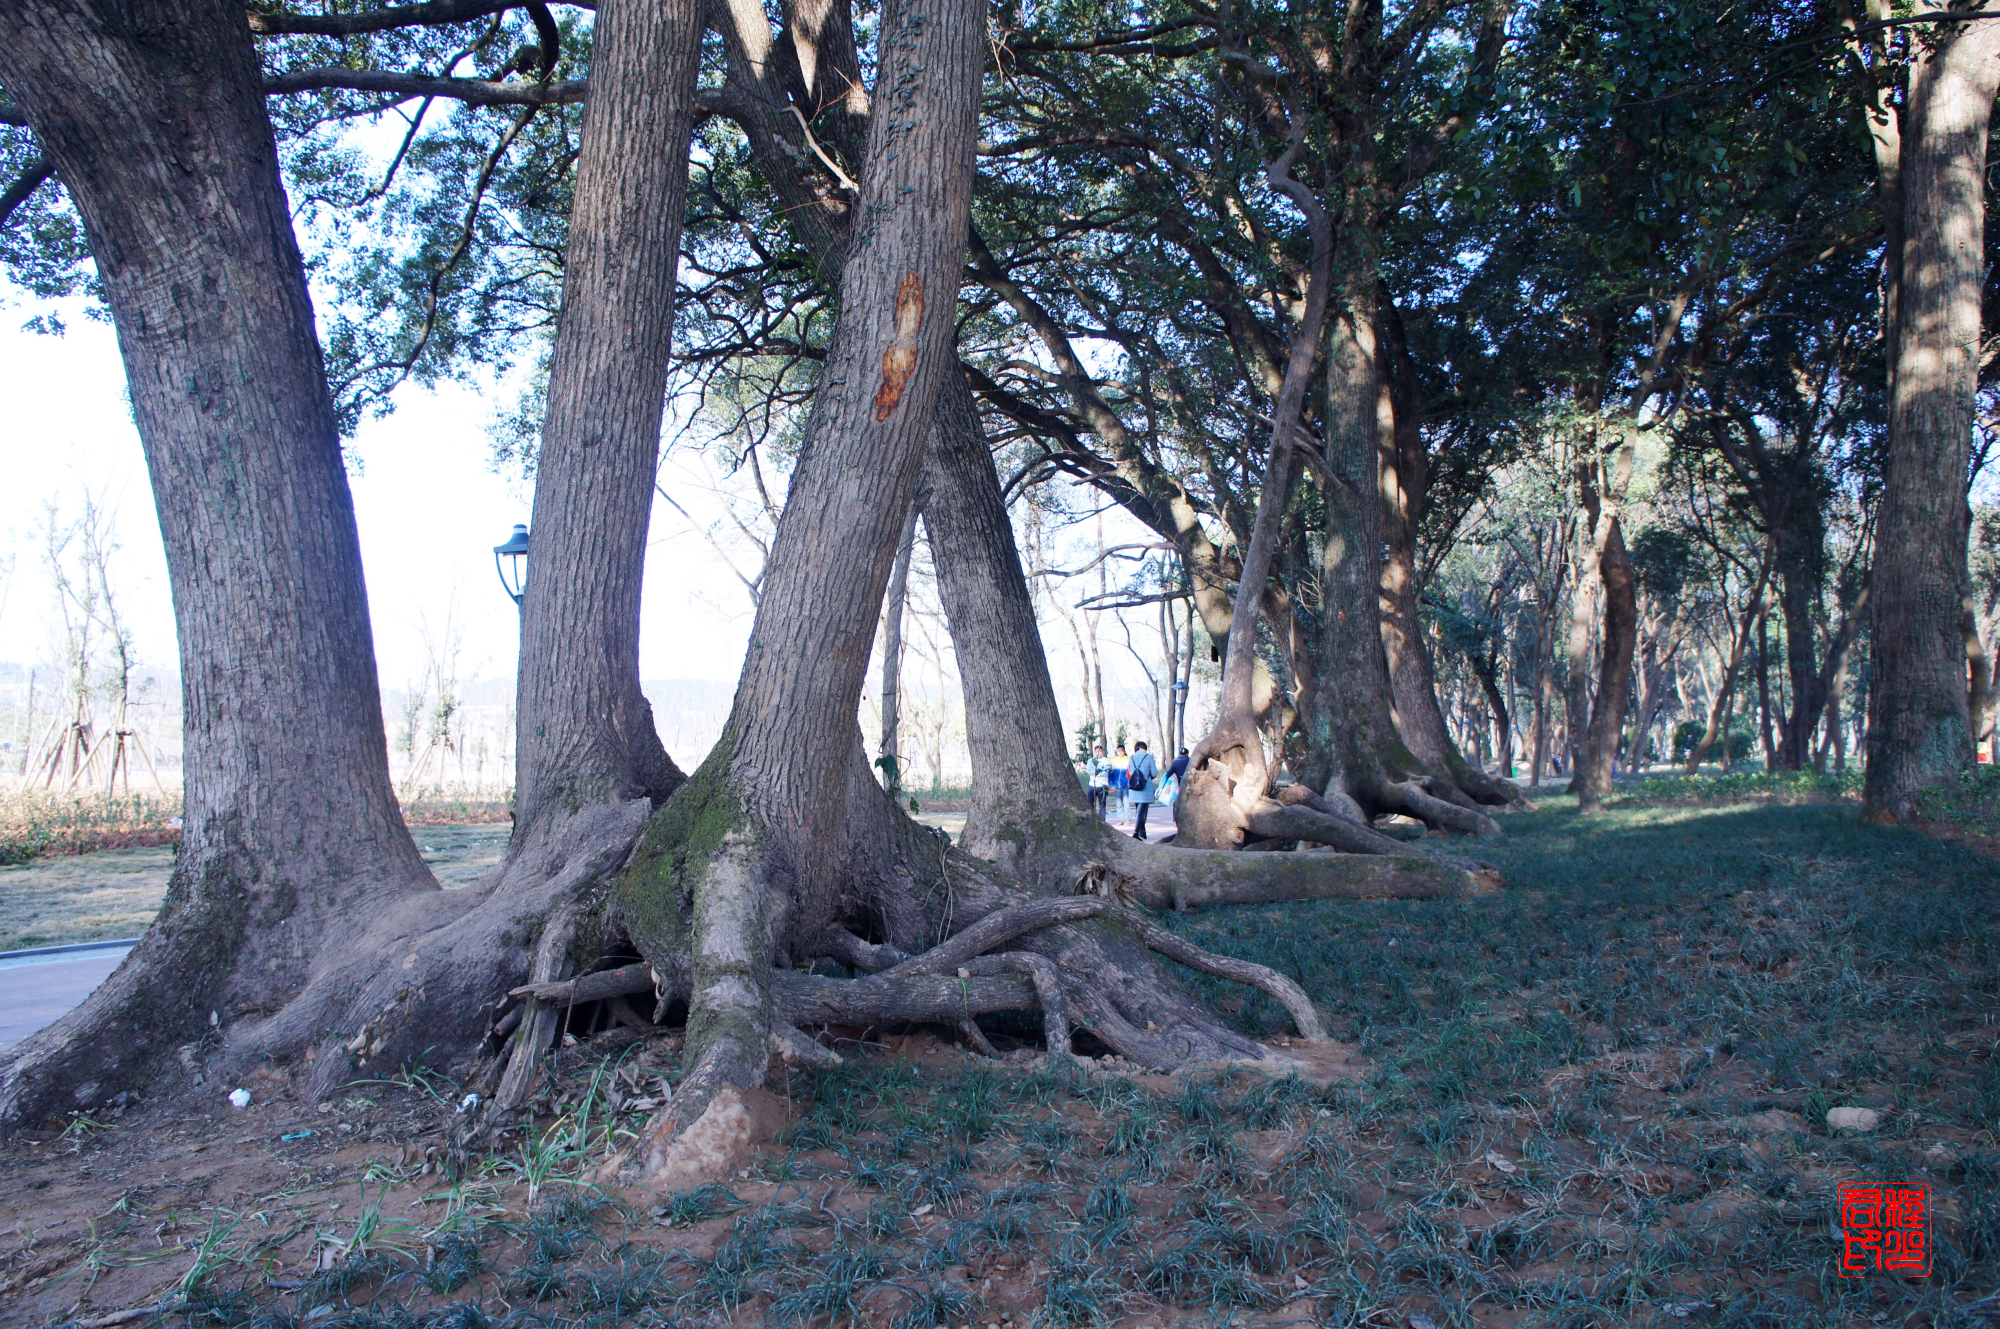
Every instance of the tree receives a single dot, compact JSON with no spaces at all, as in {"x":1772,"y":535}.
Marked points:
{"x":1919,"y":729}
{"x":153,"y":117}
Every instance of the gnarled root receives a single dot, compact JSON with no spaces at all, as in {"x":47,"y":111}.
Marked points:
{"x":1491,"y":790}
{"x":1409,"y":797}
{"x":1165,"y":877}
{"x":447,"y":974}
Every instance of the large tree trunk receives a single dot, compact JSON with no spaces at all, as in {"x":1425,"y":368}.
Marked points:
{"x":1404,"y":480}
{"x":590,"y":763}
{"x":153,"y":115}
{"x":584,"y":730}
{"x":1021,"y":774}
{"x":1799,"y":545}
{"x":1614,"y":678}
{"x":1583,"y":609}
{"x":1352,"y":731}
{"x":1228,"y":773}
{"x":718,"y":894}
{"x":1919,"y":731}
{"x":763,"y":828}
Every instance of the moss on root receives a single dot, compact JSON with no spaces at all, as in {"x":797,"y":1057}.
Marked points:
{"x":656,"y":893}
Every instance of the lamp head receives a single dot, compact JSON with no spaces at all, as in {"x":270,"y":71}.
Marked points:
{"x":510,"y":560}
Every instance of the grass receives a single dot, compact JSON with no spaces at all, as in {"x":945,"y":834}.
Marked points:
{"x":1971,"y":802}
{"x":1597,"y":1098}
{"x":60,"y":899}
{"x":75,"y":898}
{"x":38,"y":823}
{"x":1736,"y":786}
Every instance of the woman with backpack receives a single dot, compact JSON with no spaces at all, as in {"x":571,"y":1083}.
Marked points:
{"x":1142,"y":779}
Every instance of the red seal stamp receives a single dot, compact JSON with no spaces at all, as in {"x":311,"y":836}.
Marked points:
{"x":1886,"y":1230}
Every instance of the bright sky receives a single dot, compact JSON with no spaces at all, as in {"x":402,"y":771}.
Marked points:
{"x":429,"y":507}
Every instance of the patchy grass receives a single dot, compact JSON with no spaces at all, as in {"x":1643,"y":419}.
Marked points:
{"x":89,"y":897}
{"x":1598,"y":1098}
{"x":114,"y":894}
{"x":1970,"y":804}
{"x":1738,"y":787}
{"x":38,"y":823}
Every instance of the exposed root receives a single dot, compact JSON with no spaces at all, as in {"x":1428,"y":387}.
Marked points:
{"x":541,"y":1019}
{"x":977,"y":1037}
{"x":843,"y":947}
{"x":1297,"y":819}
{"x":1410,"y":797}
{"x":1300,"y":820}
{"x":879,"y":999}
{"x":1288,"y":994}
{"x":1001,"y":926}
{"x":600,"y":986}
{"x":793,"y":1046}
{"x":1173,"y":878}
{"x":1492,"y":790}
{"x":1048,"y":991}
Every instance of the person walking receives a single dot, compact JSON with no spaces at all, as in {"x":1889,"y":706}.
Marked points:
{"x":1097,"y":772}
{"x":1119,"y":765}
{"x":1142,"y":778}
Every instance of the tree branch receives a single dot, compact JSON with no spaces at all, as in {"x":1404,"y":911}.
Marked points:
{"x":32,"y":178}
{"x":475,"y":91}
{"x":267,"y":23}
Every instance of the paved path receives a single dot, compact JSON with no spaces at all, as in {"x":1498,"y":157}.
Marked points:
{"x":36,"y":989}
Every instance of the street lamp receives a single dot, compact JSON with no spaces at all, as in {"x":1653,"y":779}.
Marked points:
{"x":511,"y":562}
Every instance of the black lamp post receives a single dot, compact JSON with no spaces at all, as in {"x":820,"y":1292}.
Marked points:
{"x":511,"y":562}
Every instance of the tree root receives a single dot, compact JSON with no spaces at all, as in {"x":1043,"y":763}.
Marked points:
{"x":541,"y":1018}
{"x":1001,"y":926}
{"x":963,"y":953}
{"x":600,"y":986}
{"x":879,"y":999}
{"x":1301,"y":820}
{"x":1267,"y":980}
{"x":1164,"y":877}
{"x":1492,"y":790}
{"x":1410,"y":797}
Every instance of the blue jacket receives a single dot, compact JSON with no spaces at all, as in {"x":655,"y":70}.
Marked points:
{"x":1143,"y":762}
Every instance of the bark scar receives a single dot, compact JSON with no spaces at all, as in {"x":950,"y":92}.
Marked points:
{"x":899,"y":361}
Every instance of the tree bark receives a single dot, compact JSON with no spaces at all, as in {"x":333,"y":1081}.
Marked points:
{"x":1352,"y":728}
{"x":153,"y":115}
{"x":1614,"y":678}
{"x":584,"y":729}
{"x":890,"y":758}
{"x":764,"y":823}
{"x":1919,"y":731}
{"x":1021,"y":773}
{"x":1232,"y":755}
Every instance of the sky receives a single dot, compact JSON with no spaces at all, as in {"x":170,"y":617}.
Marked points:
{"x":427,"y":501}
{"x":429,"y":507}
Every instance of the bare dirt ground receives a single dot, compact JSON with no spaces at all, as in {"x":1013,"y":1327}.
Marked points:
{"x":1600,"y":1097}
